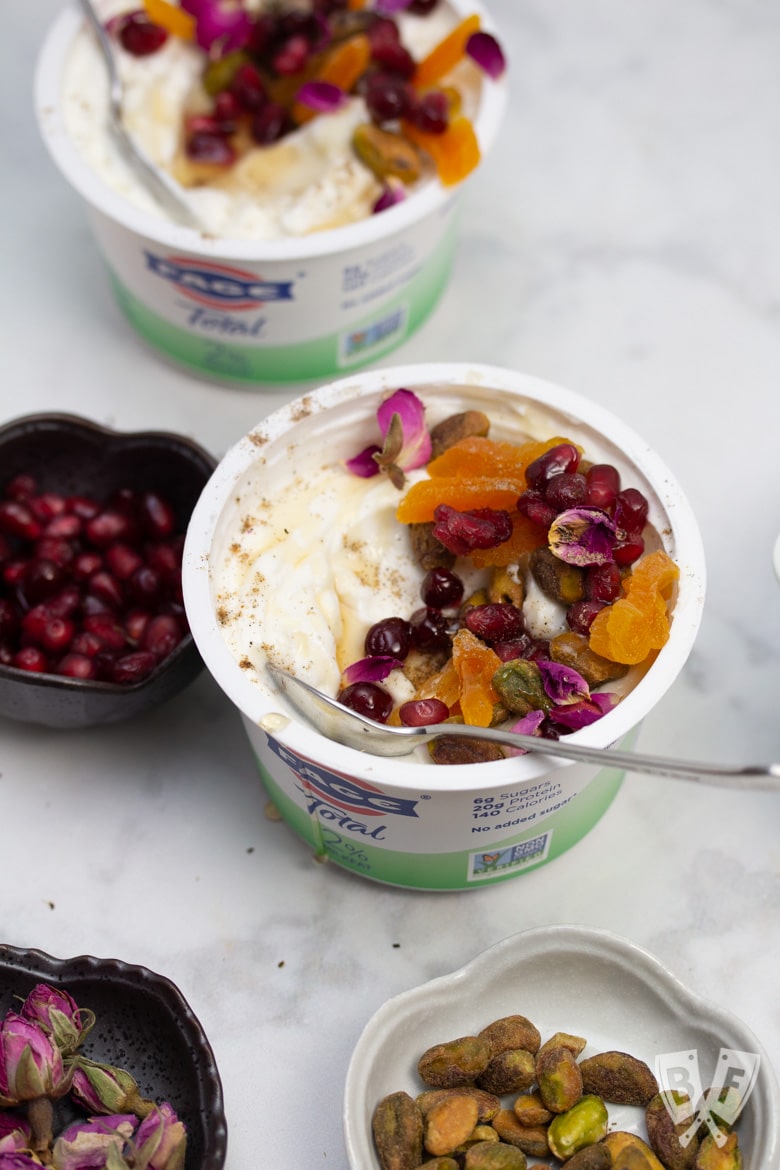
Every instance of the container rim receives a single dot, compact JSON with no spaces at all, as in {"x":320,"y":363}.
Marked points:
{"x":49,"y":69}
{"x":407,"y":774}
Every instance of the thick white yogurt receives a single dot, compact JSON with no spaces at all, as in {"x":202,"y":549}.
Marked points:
{"x":310,"y":181}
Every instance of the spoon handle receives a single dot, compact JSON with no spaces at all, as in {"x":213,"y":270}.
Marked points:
{"x":157,"y":182}
{"x":765,"y":777}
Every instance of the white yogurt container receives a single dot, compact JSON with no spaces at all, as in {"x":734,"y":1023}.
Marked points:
{"x":265,"y":313}
{"x":404,"y":821}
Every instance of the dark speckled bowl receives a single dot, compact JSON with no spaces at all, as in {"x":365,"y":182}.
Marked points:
{"x":145,"y":1026}
{"x":73,"y":455}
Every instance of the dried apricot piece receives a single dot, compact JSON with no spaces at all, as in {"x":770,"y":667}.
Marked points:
{"x":524,"y":539}
{"x":424,"y":497}
{"x":475,"y":664}
{"x":455,"y":152}
{"x":634,"y":625}
{"x":446,"y":54}
{"x":172,"y":18}
{"x":478,"y":455}
{"x":343,"y":65}
{"x":444,"y":685}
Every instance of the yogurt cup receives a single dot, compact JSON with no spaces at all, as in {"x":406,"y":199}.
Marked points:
{"x":266,"y":313}
{"x":402,"y":821}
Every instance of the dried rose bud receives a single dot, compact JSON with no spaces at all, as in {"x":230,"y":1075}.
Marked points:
{"x":407,"y":441}
{"x":582,"y":536}
{"x":14,"y":1133}
{"x":102,"y":1088}
{"x":58,"y":1014}
{"x":31,"y":1064}
{"x":94,"y":1144}
{"x":161,"y":1140}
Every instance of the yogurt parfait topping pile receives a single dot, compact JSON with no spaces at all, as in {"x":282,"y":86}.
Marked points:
{"x":542,"y":583}
{"x":446,"y":575}
{"x":317,"y":113}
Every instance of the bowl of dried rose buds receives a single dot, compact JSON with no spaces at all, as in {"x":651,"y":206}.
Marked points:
{"x":103,"y":1063}
{"x":442,"y":544}
{"x":92,"y":521}
{"x":322,"y":152}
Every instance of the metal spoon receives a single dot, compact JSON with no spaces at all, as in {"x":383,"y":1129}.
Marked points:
{"x":159,"y":185}
{"x":339,"y":723}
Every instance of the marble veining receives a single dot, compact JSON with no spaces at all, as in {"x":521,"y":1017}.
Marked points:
{"x":623,"y":240}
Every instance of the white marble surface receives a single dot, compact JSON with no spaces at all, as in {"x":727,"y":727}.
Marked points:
{"x":623,"y":240}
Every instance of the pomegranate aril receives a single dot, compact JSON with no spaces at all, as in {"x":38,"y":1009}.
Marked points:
{"x":87,"y":644}
{"x":51,"y":548}
{"x":431,"y":113}
{"x":66,"y":602}
{"x":122,"y":560}
{"x":462,"y":532}
{"x":31,"y":658}
{"x":6,"y":654}
{"x":495,"y":621}
{"x":270,"y":124}
{"x":132,"y":668}
{"x":18,"y":519}
{"x":82,"y":506}
{"x":13,"y":572}
{"x":603,"y":582}
{"x":65,"y":527}
{"x":165,"y":559}
{"x":421,"y":712}
{"x":206,"y":147}
{"x":21,"y":487}
{"x":368,"y":699}
{"x":535,"y":508}
{"x":603,"y":482}
{"x":34,"y":623}
{"x":563,"y":458}
{"x":514,"y":647}
{"x":631,"y":508}
{"x":85,"y":564}
{"x":292,"y":56}
{"x":248,"y":89}
{"x":388,"y":98}
{"x":441,"y":588}
{"x":145,"y":586}
{"x":106,"y":626}
{"x":393,"y":56}
{"x":567,"y":490}
{"x":157,"y":516}
{"x":139,"y":36}
{"x":391,"y":636}
{"x":161,"y":635}
{"x":628,"y":550}
{"x":106,"y":588}
{"x":430,"y":631}
{"x":108,"y":527}
{"x":47,"y":505}
{"x":580,"y":615}
{"x":57,"y":634}
{"x":41,"y":579}
{"x":74,"y":665}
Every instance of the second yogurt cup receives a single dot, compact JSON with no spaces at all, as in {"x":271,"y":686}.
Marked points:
{"x":403,"y":821}
{"x":257,"y":312}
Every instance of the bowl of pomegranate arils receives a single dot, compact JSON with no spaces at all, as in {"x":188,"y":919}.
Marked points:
{"x":92,"y":522}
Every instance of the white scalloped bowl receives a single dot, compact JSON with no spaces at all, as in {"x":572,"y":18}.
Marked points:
{"x":564,"y":978}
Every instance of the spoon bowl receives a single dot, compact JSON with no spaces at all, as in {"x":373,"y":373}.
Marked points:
{"x":337,"y":722}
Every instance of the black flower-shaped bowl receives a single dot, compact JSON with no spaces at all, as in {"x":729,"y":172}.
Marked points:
{"x":74,"y":456}
{"x":144,"y":1025}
